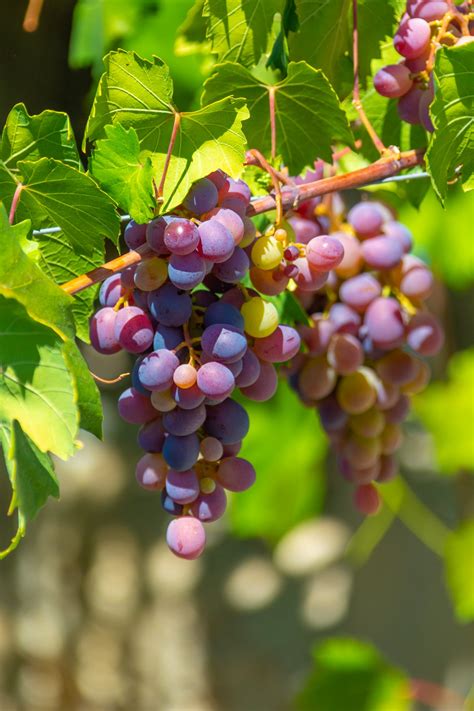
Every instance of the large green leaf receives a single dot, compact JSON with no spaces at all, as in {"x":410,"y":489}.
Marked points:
{"x":36,"y":387}
{"x":56,"y":194}
{"x":123,"y":173}
{"x":459,"y":561}
{"x":349,"y":674}
{"x":308,"y":115}
{"x":452,"y":112}
{"x":88,"y":398}
{"x":31,"y":475}
{"x":290,"y":479}
{"x":46,"y":135}
{"x":453,"y":435}
{"x":323,"y":39}
{"x":241,"y":30}
{"x":138,"y":94}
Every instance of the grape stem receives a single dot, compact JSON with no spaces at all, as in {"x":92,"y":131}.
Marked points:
{"x":111,"y":381}
{"x":356,"y":101}
{"x":32,"y":15}
{"x":271,"y":105}
{"x":433,"y":695}
{"x":292,"y":196}
{"x":15,"y":201}
{"x":174,"y":133}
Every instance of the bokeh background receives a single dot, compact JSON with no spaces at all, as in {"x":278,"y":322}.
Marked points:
{"x":97,"y":615}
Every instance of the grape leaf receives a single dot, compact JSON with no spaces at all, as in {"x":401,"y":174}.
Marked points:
{"x":46,"y":135}
{"x":349,"y":674}
{"x":123,"y":173}
{"x":35,"y":386}
{"x":453,"y":435}
{"x":56,"y":194}
{"x":191,"y":35}
{"x":241,"y":30}
{"x":59,"y":260}
{"x":377,"y":19}
{"x":459,"y":557}
{"x":452,"y":113}
{"x":323,"y":37}
{"x":138,"y":93}
{"x":31,"y":475}
{"x":304,"y":100}
{"x":275,"y":504}
{"x":89,"y":402}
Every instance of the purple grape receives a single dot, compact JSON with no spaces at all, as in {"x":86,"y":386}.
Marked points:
{"x":151,"y":472}
{"x":382,"y":252}
{"x":236,"y":474}
{"x":168,"y":337}
{"x":250,"y":370}
{"x":393,"y":81}
{"x":359,"y":291}
{"x":231,"y":221}
{"x":202,"y":197}
{"x":280,"y":346}
{"x":398,"y":231}
{"x":235,"y":189}
{"x":102,"y":331}
{"x":155,"y":234}
{"x":215,"y":380}
{"x":216,"y":242}
{"x":344,"y":319}
{"x":186,"y":537}
{"x":134,"y":235}
{"x":412,"y":37}
{"x":181,"y":453}
{"x":182,"y":487}
{"x":234,"y":269}
{"x":170,"y":506}
{"x":111,"y":290}
{"x":127,"y":277}
{"x":384,"y":322}
{"x":223,"y":313}
{"x":184,"y":422}
{"x":187,"y":271}
{"x":218,"y":177}
{"x":181,"y":236}
{"x":250,"y":232}
{"x":136,"y":380}
{"x":225,"y":344}
{"x":305,"y":230}
{"x":409,"y":105}
{"x":307,"y":279}
{"x":265,"y":386}
{"x":228,"y":422}
{"x":151,"y":436}
{"x":135,"y":408}
{"x":332,"y":416}
{"x":366,"y":218}
{"x":424,"y":110}
{"x":210,"y":507}
{"x":156,"y":370}
{"x":187,"y":398}
{"x":133,"y":329}
{"x":169,"y":307}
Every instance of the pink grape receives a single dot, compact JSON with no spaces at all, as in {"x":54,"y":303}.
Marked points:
{"x":181,"y":236}
{"x":412,"y":38}
{"x":393,"y":81}
{"x":151,"y":472}
{"x":215,"y":380}
{"x":424,"y":334}
{"x":102,"y":331}
{"x":186,"y":537}
{"x":367,"y":499}
{"x":135,"y":408}
{"x":324,"y":253}
{"x":359,"y":291}
{"x":133,"y":329}
{"x":384,"y":322}
{"x":210,"y":507}
{"x":382,"y":252}
{"x":366,"y":218}
{"x":280,"y":346}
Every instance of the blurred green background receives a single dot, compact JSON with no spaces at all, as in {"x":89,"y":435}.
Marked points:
{"x":96,"y":615}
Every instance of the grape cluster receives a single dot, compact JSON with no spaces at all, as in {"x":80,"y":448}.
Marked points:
{"x":425,"y":26}
{"x":365,"y":344}
{"x":198,"y":335}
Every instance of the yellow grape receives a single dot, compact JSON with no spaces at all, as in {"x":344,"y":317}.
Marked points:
{"x":151,"y":274}
{"x":260,"y":317}
{"x":267,"y":252}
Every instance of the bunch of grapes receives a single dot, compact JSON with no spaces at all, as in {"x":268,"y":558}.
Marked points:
{"x":367,"y":337}
{"x":198,"y":335}
{"x":425,"y":26}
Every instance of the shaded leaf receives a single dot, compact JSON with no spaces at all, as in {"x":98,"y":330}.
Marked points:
{"x":453,"y":435}
{"x":46,"y":135}
{"x":138,"y":93}
{"x":349,"y":674}
{"x":191,"y":35}
{"x":240,"y":30}
{"x":452,"y":112}
{"x":376,"y":21}
{"x":123,"y":173}
{"x":89,"y":402}
{"x":304,"y":100}
{"x":459,"y":558}
{"x":290,"y":479}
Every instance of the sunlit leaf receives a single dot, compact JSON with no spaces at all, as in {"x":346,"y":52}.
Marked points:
{"x":459,"y":560}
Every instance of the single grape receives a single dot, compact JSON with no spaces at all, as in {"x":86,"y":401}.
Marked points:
{"x":187,"y":398}
{"x":359,"y":291}
{"x":250,"y":370}
{"x":344,"y":319}
{"x":384,"y":322}
{"x":162,"y":400}
{"x":393,"y":81}
{"x":424,"y":110}
{"x":218,"y":177}
{"x":366,"y":218}
{"x":318,"y":336}
{"x":181,"y":453}
{"x":357,"y":392}
{"x":431,"y":11}
{"x":228,"y":422}
{"x":425,"y":334}
{"x":233,"y":189}
{"x":221,"y":312}
{"x":151,"y":472}
{"x":102,"y":331}
{"x":308,"y":279}
{"x":282,"y":345}
{"x":185,"y":376}
{"x":169,"y":307}
{"x":352,"y":260}
{"x":260,"y":317}
{"x":234,"y":269}
{"x":182,"y":487}
{"x":391,"y":438}
{"x":211,"y":449}
{"x":381,"y":252}
{"x":264,"y":281}
{"x":265,"y":386}
{"x":267,"y":252}
{"x":223,"y":343}
{"x":216,"y":242}
{"x":111,"y":290}
{"x":202,"y":197}
{"x":210,"y":507}
{"x":156,"y":370}
{"x":135,"y":408}
{"x":409,"y":105}
{"x":317,"y":379}
{"x":151,"y":436}
{"x":151,"y":274}
{"x":412,"y":37}
{"x":398,"y":231}
{"x":345,"y":353}
{"x":362,"y":452}
{"x":187,"y":271}
{"x":397,"y":367}
{"x":367,"y":499}
{"x":134,"y":235}
{"x":184,"y":422}
{"x":324,"y":253}
{"x":133,"y":329}
{"x":399,"y":411}
{"x":215,"y":380}
{"x":417,"y":281}
{"x":231,"y":220}
{"x":181,"y":236}
{"x":369,"y":423}
{"x":155,"y":234}
{"x":127,"y":277}
{"x":388,"y":469}
{"x":250,"y":233}
{"x":332,"y":416}
{"x":167,"y":337}
{"x":186,"y":537}
{"x":236,"y":474}
{"x":420,"y":381}
{"x":305,"y":230}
